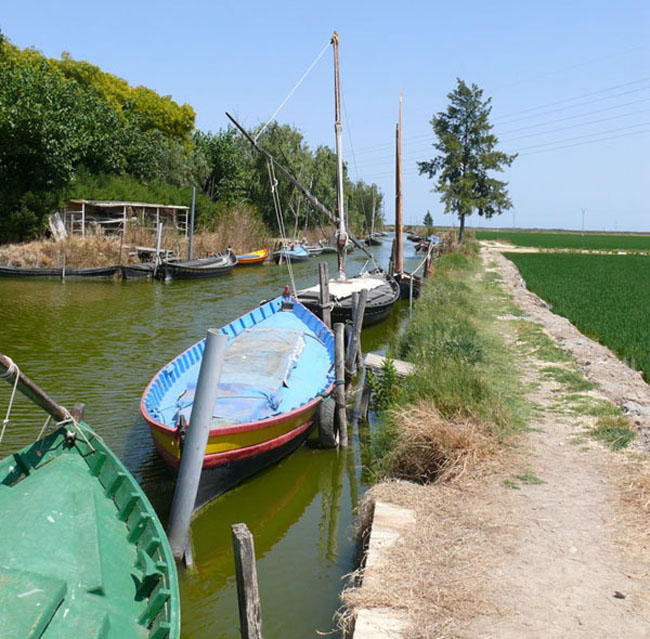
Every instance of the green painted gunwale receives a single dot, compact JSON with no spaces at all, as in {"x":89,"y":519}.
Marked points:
{"x":83,"y":553}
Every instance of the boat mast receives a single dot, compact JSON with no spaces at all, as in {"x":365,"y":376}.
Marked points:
{"x":341,"y":236}
{"x":399,"y":228}
{"x":372,"y":225}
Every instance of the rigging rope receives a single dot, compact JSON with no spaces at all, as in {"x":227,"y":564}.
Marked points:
{"x":278,"y":214}
{"x":305,"y":74}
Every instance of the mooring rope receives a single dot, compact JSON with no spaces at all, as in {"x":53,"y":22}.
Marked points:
{"x":12,"y":370}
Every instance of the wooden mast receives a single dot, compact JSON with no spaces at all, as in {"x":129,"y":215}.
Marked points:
{"x":341,"y":237}
{"x":399,"y":228}
{"x":372,"y":225}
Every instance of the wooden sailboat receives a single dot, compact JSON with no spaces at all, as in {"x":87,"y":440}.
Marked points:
{"x":409,"y":284}
{"x":383,"y":290}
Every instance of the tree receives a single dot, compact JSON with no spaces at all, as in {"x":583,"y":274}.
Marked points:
{"x":428,"y":220}
{"x":467,"y":153}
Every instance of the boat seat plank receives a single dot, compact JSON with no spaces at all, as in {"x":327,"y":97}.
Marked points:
{"x":28,"y":601}
{"x":88,"y":544}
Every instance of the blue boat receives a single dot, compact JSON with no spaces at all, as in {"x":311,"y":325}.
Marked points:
{"x":278,"y":370}
{"x":291,"y":253}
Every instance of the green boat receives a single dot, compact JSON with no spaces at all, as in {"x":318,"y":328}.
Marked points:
{"x":83,"y":553}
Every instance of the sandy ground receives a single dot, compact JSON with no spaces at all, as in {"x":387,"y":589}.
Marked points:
{"x":553,"y":541}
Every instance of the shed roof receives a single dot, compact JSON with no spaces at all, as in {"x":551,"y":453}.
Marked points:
{"x":112,"y":203}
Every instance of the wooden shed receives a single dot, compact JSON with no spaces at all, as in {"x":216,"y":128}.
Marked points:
{"x":88,"y":216}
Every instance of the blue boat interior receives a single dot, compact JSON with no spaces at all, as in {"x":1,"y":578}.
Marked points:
{"x":276,"y":361}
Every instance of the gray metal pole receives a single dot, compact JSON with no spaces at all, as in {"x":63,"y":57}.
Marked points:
{"x":156,"y":263}
{"x":191,"y":243}
{"x":189,"y":473}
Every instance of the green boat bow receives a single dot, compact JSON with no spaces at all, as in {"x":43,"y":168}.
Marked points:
{"x":83,"y":553}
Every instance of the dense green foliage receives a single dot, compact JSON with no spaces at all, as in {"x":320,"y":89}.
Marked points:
{"x":606,"y":296}
{"x":589,"y":241}
{"x":68,"y":129}
{"x":467,"y":152}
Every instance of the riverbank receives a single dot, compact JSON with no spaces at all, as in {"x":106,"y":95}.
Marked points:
{"x":243,"y":232}
{"x":530,"y":531}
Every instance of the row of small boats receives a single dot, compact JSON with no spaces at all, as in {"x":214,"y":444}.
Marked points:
{"x":171,"y":269}
{"x":214,"y":265}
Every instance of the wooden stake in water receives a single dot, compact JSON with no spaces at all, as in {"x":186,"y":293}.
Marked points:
{"x":248,"y":596}
{"x":339,"y":384}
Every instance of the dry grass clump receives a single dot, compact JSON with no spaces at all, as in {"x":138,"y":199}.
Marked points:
{"x":431,"y":574}
{"x":631,"y":474}
{"x":431,"y":448}
{"x":94,"y":250}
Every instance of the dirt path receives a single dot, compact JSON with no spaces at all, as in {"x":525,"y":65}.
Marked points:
{"x":618,"y":382}
{"x":575,"y":564}
{"x":552,"y":540}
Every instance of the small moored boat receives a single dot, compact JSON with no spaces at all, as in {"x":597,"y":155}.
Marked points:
{"x":295,"y":253}
{"x":83,"y":552}
{"x":314,"y":250}
{"x":91,"y":271}
{"x":256,"y":257}
{"x":214,"y":266}
{"x":138,"y":271}
{"x":278,"y":368}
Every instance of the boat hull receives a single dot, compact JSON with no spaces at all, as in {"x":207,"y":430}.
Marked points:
{"x":137,"y":271}
{"x":378,"y":305}
{"x":250,"y":259}
{"x":90,"y":272}
{"x":201,"y":269}
{"x":223,"y":471}
{"x":283,"y":256}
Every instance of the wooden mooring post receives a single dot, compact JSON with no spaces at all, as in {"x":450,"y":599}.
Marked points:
{"x":339,"y":384}
{"x":248,"y":595}
{"x":325,"y":309}
{"x":354,"y":348}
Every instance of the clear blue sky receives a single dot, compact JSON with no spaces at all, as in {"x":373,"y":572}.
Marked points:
{"x":569,"y":81}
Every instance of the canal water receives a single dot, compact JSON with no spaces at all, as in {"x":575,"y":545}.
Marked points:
{"x":100,"y":343}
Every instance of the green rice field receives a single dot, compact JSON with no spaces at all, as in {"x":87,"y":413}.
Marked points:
{"x":588,"y":241}
{"x":607,"y":297}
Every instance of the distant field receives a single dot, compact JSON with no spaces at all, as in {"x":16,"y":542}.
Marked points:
{"x":588,"y":241}
{"x":606,"y":296}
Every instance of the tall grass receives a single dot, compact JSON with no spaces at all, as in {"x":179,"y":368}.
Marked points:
{"x":465,"y":391}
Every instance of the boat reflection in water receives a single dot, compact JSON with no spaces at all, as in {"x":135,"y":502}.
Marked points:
{"x":299,"y":512}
